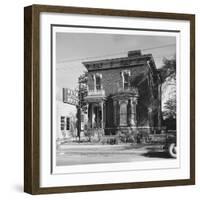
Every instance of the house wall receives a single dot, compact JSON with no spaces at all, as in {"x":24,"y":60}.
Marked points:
{"x":66,"y":110}
{"x":147,"y":110}
{"x":111,"y":78}
{"x":143,"y":105}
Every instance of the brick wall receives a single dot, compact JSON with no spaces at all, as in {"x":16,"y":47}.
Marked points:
{"x":111,"y":78}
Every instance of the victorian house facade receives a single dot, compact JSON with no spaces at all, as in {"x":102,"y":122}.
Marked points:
{"x":124,"y":94}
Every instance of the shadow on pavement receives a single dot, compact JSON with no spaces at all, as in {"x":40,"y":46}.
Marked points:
{"x":153,"y":154}
{"x":135,"y":146}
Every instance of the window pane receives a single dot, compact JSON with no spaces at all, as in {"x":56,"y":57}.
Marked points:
{"x":62,"y":123}
{"x":123,"y":114}
{"x":125,"y":85}
{"x":68,"y":124}
{"x":98,"y":82}
{"x":126,"y":80}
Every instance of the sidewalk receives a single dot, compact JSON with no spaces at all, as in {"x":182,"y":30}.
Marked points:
{"x":69,"y":154}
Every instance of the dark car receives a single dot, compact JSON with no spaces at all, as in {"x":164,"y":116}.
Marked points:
{"x":170,"y":144}
{"x":166,"y":141}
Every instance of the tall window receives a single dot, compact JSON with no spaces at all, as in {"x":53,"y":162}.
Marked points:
{"x":67,"y":123}
{"x":126,"y":80}
{"x":62,"y":123}
{"x":123,"y":114}
{"x":98,"y":82}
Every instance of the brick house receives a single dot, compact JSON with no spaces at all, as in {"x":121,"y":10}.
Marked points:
{"x":124,"y":94}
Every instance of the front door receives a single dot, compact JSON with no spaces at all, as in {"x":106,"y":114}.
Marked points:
{"x":98,"y":117}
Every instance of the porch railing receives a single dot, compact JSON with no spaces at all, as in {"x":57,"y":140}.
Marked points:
{"x":96,"y":92}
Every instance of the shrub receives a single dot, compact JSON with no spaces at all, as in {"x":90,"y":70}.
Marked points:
{"x":110,"y":140}
{"x":127,"y":137}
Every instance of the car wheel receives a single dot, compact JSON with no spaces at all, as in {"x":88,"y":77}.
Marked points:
{"x":172,"y":150}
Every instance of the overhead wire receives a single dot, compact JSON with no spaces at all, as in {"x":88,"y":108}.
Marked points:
{"x":108,"y":55}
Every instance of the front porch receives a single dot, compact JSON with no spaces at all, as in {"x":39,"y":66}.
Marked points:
{"x":124,"y":108}
{"x":112,"y":114}
{"x":96,"y":112}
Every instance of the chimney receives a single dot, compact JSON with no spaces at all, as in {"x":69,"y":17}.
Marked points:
{"x":134,"y":53}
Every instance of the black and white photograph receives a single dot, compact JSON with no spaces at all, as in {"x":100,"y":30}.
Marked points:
{"x":115,"y":97}
{"x":109,"y":99}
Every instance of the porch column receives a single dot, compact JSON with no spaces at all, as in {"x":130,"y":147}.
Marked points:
{"x":150,"y":116}
{"x":92,"y":115}
{"x":118,"y":113}
{"x":132,"y":116}
{"x":115,"y":112}
{"x":94,"y":79}
{"x":89,"y":115}
{"x":102,"y":115}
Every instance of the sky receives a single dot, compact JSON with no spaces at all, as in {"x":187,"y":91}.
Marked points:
{"x":74,"y":48}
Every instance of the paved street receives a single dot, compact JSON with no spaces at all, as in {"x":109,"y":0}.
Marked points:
{"x":75,"y":154}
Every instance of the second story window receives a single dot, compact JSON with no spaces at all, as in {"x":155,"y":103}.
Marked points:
{"x":125,"y":79}
{"x":97,"y":81}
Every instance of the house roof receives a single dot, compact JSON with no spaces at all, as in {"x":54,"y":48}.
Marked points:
{"x":134,"y":58}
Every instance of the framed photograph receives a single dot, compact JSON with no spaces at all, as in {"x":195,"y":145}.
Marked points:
{"x":109,"y":99}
